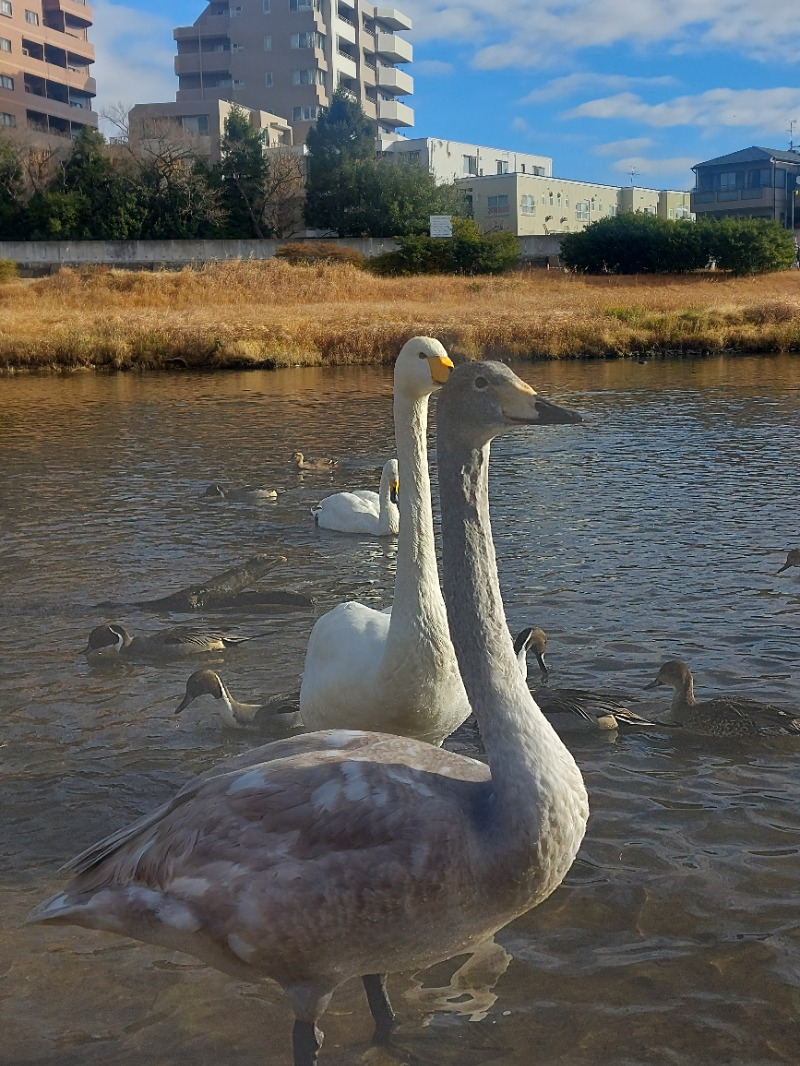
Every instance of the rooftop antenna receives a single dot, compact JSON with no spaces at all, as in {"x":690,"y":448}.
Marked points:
{"x":790,"y":131}
{"x":633,"y":173}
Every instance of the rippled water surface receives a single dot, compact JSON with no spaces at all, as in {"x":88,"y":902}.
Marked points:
{"x":653,"y":530}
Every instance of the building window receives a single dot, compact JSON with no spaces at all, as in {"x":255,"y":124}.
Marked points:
{"x":582,"y":210}
{"x":305,"y":114}
{"x":550,"y":199}
{"x":6,"y":8}
{"x":268,"y":79}
{"x":307,"y":77}
{"x":7,"y":120}
{"x":527,"y":205}
{"x":502,"y":166}
{"x":32,"y":17}
{"x":267,"y":44}
{"x":470,"y":164}
{"x":5,"y":44}
{"x":727,"y":180}
{"x":6,"y":82}
{"x":194,"y":123}
{"x":235,"y":12}
{"x":304,"y":5}
{"x":306,"y":40}
{"x":682,"y":212}
{"x":266,"y":7}
{"x":237,"y":47}
{"x":412,"y":158}
{"x":497,"y":205}
{"x":237,"y":84}
{"x":522,"y":167}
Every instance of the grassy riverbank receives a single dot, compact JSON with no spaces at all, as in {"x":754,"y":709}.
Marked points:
{"x":268,"y":314}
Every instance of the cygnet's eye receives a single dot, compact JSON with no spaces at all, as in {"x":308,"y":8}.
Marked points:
{"x":481,"y":383}
{"x":423,"y":355}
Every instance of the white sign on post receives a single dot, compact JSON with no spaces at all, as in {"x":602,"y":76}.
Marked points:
{"x":441,"y":225}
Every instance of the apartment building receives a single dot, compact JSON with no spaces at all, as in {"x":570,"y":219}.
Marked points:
{"x":45,"y":60}
{"x":450,"y":160}
{"x":752,"y":183}
{"x":203,"y":121}
{"x":529,"y":205}
{"x":288,"y":57}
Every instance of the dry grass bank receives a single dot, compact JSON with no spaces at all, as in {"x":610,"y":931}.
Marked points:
{"x":241,"y":314}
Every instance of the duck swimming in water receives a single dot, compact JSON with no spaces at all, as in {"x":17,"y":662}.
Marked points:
{"x":114,"y":641}
{"x":568,"y":709}
{"x":278,"y":716}
{"x":792,"y":559}
{"x":722,"y":716}
{"x":347,"y":854}
{"x":243,"y":494}
{"x":323,"y":464}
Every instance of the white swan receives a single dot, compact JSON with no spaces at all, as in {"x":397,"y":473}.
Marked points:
{"x":363,"y":511}
{"x":346,"y":854}
{"x":395,"y":670}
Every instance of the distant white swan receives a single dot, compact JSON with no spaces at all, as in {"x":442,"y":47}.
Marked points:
{"x":362,"y":510}
{"x":347,"y":854}
{"x":394,"y":670}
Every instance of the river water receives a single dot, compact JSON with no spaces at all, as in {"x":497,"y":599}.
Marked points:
{"x":653,"y":530}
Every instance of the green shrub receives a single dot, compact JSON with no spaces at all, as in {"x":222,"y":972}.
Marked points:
{"x":8,"y":270}
{"x":748,"y":245}
{"x":319,"y":252}
{"x":635,"y":244}
{"x":468,"y":251}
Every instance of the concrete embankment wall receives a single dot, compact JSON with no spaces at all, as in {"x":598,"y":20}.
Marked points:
{"x":43,"y":257}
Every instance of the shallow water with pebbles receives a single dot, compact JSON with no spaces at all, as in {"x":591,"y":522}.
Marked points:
{"x":653,"y":530}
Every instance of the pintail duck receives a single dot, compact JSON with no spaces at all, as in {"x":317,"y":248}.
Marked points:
{"x":321,"y":463}
{"x":362,"y":510}
{"x":278,"y":716}
{"x":723,"y":716}
{"x":113,"y":640}
{"x":568,"y":709}
{"x":335,"y":855}
{"x":243,"y":494}
{"x":792,"y":559}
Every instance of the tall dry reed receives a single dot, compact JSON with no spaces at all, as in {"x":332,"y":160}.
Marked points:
{"x":272,"y":313}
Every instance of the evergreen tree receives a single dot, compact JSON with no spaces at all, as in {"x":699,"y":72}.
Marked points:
{"x":342,"y":139}
{"x":243,"y":176}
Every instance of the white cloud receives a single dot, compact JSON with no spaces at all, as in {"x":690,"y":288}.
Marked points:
{"x":632,"y":144}
{"x":536,"y":33}
{"x":435,"y":68}
{"x":671,"y":172}
{"x":586,"y":81}
{"x":764,"y":110}
{"x":135,"y":52}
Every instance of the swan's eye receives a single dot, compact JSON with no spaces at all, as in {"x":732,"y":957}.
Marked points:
{"x":422,"y":355}
{"x":481,"y":383}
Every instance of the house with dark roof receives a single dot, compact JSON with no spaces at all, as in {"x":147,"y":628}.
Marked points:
{"x":753,"y":183}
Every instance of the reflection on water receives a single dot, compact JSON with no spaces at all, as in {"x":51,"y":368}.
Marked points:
{"x":651,"y":531}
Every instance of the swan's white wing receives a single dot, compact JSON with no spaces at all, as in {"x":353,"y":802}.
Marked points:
{"x":345,"y":653}
{"x":349,"y":512}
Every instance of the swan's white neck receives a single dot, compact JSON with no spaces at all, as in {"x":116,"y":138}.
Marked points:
{"x":533,"y":774}
{"x":418,"y":602}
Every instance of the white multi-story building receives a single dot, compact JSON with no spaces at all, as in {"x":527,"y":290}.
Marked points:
{"x":529,"y":205}
{"x":450,"y":160}
{"x":288,"y":57}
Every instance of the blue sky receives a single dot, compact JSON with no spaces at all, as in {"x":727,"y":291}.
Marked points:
{"x":604,"y":87}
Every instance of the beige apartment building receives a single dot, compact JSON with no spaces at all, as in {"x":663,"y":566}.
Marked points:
{"x":45,"y":60}
{"x":203,"y":121}
{"x":450,"y":160}
{"x":530,"y":205}
{"x":288,"y":57}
